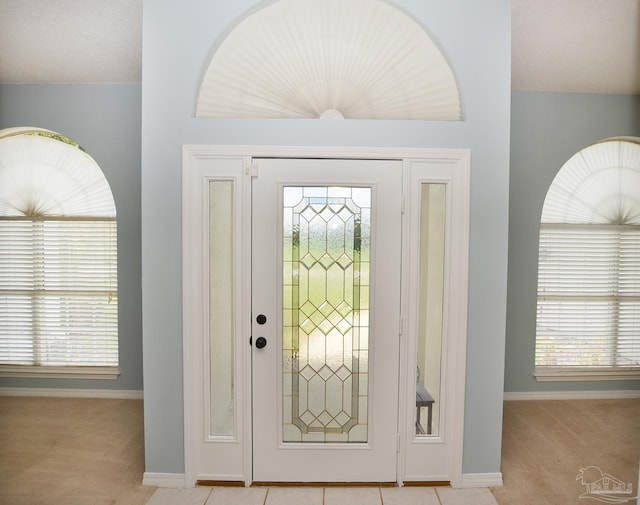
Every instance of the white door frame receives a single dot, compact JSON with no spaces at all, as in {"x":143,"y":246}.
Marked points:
{"x":202,"y":163}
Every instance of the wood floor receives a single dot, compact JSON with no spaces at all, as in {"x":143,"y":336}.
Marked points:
{"x":64,"y":451}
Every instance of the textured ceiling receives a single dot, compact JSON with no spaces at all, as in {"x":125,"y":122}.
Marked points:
{"x":558,"y":45}
{"x":590,"y":46}
{"x":65,"y":41}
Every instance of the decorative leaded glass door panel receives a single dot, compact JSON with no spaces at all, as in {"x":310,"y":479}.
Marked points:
{"x":326,"y":239}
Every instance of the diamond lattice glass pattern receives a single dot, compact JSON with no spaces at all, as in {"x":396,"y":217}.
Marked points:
{"x":326,"y":265}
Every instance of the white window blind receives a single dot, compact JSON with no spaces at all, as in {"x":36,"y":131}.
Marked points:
{"x":588,"y":296}
{"x":58,"y":259}
{"x":58,"y":292}
{"x":588,"y":310}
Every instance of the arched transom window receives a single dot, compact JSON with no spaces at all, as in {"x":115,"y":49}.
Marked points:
{"x":588,"y":311}
{"x":330,"y":59}
{"x":58,"y":258}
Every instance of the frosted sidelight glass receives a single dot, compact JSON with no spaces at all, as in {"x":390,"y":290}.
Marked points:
{"x":221,"y":309}
{"x":326,"y":248}
{"x":431,"y":282}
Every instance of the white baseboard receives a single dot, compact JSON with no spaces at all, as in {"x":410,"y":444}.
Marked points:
{"x":121,"y":394}
{"x":572,"y":395}
{"x":174,"y":480}
{"x":471,"y":480}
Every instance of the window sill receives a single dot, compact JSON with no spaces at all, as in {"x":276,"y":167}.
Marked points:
{"x":551,"y":374}
{"x":60,"y":372}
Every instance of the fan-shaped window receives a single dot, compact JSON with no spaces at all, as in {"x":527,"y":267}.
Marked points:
{"x":363,"y":59}
{"x":588,"y":314}
{"x":58,"y":259}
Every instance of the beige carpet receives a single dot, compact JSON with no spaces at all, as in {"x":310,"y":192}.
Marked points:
{"x":547,"y":443}
{"x":61,"y":451}
{"x":56,"y":451}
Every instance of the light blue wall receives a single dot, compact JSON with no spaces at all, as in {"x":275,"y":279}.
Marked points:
{"x":177,"y":43}
{"x":105,"y":120}
{"x":546,"y":130}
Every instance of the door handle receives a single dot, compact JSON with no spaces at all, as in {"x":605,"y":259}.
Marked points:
{"x":261,"y":342}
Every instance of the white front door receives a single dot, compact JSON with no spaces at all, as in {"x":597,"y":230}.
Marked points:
{"x":325,"y":283}
{"x":304,"y":256}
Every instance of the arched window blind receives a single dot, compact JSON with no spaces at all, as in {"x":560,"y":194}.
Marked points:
{"x":58,"y":258}
{"x":588,"y":311}
{"x":351,"y":59}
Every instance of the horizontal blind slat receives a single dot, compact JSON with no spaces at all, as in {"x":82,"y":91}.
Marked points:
{"x":588,"y":296}
{"x":58,"y":292}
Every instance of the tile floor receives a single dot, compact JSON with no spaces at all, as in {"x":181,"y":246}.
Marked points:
{"x":322,"y":496}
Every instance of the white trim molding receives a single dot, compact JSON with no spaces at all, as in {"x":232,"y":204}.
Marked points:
{"x":419,"y":457}
{"x":473,"y":480}
{"x":553,"y":374}
{"x":121,"y":394}
{"x":172,"y":480}
{"x":60,"y":372}
{"x":572,"y":395}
